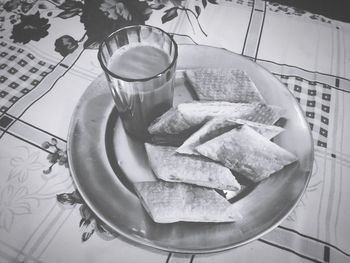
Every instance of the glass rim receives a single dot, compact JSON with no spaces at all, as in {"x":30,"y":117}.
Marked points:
{"x":105,"y":68}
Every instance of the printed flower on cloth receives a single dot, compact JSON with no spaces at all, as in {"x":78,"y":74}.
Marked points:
{"x":23,"y":165}
{"x":65,"y":45}
{"x":31,"y":27}
{"x":11,"y":5}
{"x":13,"y":202}
{"x":20,"y":5}
{"x":126,"y":10}
{"x":101,"y":18}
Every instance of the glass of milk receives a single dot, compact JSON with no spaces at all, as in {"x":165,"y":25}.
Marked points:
{"x":139,"y":63}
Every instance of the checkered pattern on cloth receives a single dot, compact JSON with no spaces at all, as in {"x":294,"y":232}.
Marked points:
{"x":314,"y":98}
{"x":20,"y":73}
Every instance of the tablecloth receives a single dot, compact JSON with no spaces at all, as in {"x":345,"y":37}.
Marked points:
{"x":48,"y":58}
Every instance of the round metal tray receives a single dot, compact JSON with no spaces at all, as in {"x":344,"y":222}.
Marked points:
{"x":104,"y":162}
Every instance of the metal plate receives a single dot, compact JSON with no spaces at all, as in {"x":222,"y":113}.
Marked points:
{"x":104,"y":162}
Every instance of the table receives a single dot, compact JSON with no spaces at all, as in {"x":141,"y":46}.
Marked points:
{"x":48,"y":58}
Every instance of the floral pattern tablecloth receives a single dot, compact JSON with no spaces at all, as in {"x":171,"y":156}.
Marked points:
{"x":48,"y":58}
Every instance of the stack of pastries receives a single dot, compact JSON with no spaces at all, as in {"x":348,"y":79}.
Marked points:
{"x":225,"y":133}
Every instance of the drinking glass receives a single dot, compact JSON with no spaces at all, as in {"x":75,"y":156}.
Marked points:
{"x":141,"y":86}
